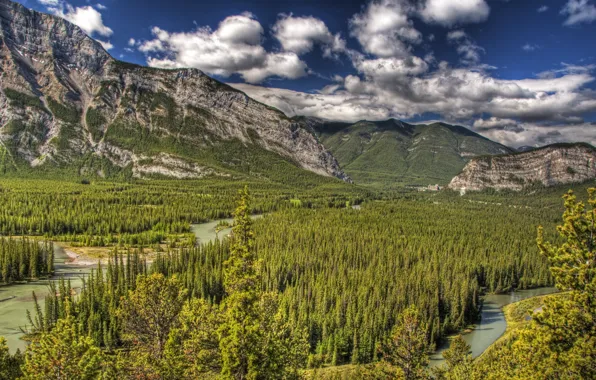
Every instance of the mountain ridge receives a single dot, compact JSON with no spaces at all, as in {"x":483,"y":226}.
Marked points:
{"x":391,"y":151}
{"x":65,"y":100}
{"x":550,"y":165}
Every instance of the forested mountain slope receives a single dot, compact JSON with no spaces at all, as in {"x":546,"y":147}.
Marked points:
{"x":65,"y":102}
{"x":387,"y":152}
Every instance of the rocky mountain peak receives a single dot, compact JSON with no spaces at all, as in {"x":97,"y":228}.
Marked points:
{"x":66,"y":102}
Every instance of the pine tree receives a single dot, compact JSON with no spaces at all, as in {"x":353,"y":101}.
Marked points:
{"x":149,"y":312}
{"x":457,"y":353}
{"x":64,"y":353}
{"x":10,"y":365}
{"x":408,"y":348}
{"x":242,"y":278}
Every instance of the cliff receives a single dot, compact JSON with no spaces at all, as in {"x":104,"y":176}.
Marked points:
{"x":551,"y":165}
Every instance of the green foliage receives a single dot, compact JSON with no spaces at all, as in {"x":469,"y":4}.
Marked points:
{"x":95,"y":122}
{"x":149,"y":312}
{"x":10,"y":365}
{"x":336,"y":269}
{"x":252,"y":344}
{"x":24,"y":259}
{"x":22,"y":100}
{"x":560,"y":341}
{"x":134,"y":214}
{"x":408,"y":349}
{"x":64,"y":112}
{"x":63,"y":353}
{"x":458,"y":359}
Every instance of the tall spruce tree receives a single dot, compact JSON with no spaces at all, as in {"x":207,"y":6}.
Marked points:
{"x":241,"y":334}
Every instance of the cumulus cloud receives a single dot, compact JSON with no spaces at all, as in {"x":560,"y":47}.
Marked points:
{"x":466,"y":47}
{"x":578,"y":12}
{"x":87,"y":18}
{"x":106,"y":44}
{"x":452,"y":12}
{"x":536,"y":134}
{"x":300,"y":34}
{"x":404,"y":89}
{"x":234,"y":47}
{"x":542,"y":9}
{"x":384,"y":29}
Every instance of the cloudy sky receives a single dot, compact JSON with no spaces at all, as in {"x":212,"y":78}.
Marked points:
{"x":521,"y":72}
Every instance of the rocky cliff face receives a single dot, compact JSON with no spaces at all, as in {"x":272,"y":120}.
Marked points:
{"x":65,"y":100}
{"x":549,"y":166}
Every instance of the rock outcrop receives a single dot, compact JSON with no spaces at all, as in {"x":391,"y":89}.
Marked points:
{"x":548,"y":166}
{"x":66,"y":101}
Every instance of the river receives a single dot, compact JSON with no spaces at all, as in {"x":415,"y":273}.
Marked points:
{"x":13,"y":312}
{"x":492,"y":323}
{"x":18,"y":298}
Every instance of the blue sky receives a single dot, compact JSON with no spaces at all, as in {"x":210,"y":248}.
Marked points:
{"x":520,"y":72}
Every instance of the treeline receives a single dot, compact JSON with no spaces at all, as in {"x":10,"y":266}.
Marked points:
{"x":24,"y":259}
{"x":140,"y":213}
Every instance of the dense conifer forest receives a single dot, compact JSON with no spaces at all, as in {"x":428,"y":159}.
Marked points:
{"x":322,"y":283}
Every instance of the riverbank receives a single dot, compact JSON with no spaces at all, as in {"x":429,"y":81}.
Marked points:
{"x":517,"y":315}
{"x":492,"y":324}
{"x":73,"y":263}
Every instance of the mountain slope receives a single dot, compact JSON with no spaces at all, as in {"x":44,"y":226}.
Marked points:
{"x":387,"y":152}
{"x":65,"y":102}
{"x":550,"y":165}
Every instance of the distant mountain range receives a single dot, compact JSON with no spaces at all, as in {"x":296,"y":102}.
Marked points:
{"x":67,"y":105}
{"x":395,"y":152}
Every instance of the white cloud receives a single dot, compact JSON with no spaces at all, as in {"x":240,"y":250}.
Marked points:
{"x":467,"y":48}
{"x":132,"y":42}
{"x":384,"y":29}
{"x":106,"y":44}
{"x":300,"y":34}
{"x":530,"y":47}
{"x":452,"y":12}
{"x":542,"y":9}
{"x":49,"y":3}
{"x":578,"y":12}
{"x":495,"y":123}
{"x":100,"y":6}
{"x":86,"y":18}
{"x":394,"y":88}
{"x":234,"y":47}
{"x":537,"y":134}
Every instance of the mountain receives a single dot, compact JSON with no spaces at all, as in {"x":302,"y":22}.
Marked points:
{"x":550,"y":165}
{"x":393,"y":152}
{"x":66,"y":103}
{"x":525,"y":148}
